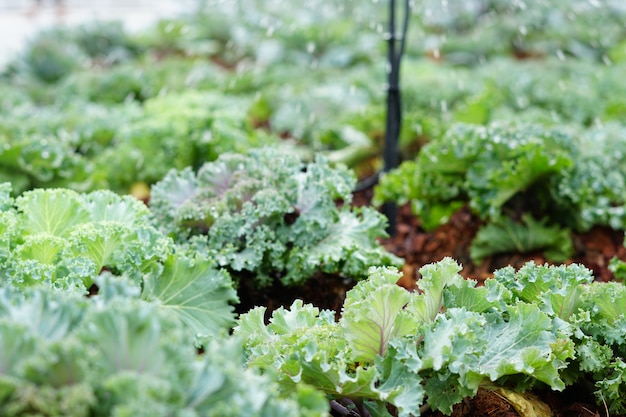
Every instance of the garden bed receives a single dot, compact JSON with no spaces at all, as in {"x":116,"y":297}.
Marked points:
{"x":594,"y":249}
{"x":256,"y":282}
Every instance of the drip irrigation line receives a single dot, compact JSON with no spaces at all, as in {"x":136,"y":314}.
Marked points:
{"x":366,"y":183}
{"x":394,"y":106}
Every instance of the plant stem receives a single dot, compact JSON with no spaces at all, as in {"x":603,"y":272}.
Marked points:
{"x":338,"y":410}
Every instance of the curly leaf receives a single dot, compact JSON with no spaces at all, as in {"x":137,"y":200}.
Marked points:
{"x":171,"y":194}
{"x":453,"y":341}
{"x":400,"y":382}
{"x":42,"y":248}
{"x":104,"y":205}
{"x":481,"y":299}
{"x":521,"y":345}
{"x":435,"y":277}
{"x":492,"y":183}
{"x":348,"y":248}
{"x":612,"y":389}
{"x":559,"y":290}
{"x":48,"y":316}
{"x":221,"y":389}
{"x":607,"y":303}
{"x":373,"y":314}
{"x":111,"y":329}
{"x":102,"y":243}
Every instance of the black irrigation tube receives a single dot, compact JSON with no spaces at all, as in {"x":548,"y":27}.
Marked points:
{"x":394,"y":106}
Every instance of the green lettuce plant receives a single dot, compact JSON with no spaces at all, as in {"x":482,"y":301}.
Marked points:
{"x":102,"y":315}
{"x":86,"y":146}
{"x":541,"y":327}
{"x":593,"y":314}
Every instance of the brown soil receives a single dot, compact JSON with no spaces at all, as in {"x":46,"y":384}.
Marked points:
{"x":485,"y":403}
{"x":594,"y":249}
{"x":323,"y":291}
{"x":570,"y":403}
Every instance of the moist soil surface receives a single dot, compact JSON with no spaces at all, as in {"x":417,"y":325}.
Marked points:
{"x":594,"y":249}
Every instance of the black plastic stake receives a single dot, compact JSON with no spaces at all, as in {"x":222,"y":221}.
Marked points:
{"x":394,"y":104}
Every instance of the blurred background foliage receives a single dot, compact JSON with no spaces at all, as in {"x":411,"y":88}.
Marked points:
{"x":96,"y":106}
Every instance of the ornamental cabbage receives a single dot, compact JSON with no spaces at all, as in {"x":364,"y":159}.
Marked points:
{"x":273,"y":216}
{"x":115,"y":355}
{"x":392,"y":346}
{"x":64,"y":240}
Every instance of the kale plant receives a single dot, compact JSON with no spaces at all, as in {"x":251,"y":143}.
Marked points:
{"x":273,"y":216}
{"x":540,"y":327}
{"x":430,"y":348}
{"x":530,"y":184}
{"x":114,"y":354}
{"x":63,"y":240}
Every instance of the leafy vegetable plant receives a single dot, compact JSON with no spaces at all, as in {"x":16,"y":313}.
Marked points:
{"x":64,"y":240}
{"x":86,"y":146}
{"x":408,"y":349}
{"x":99,"y":314}
{"x":269,"y":215}
{"x":530,"y":184}
{"x":476,"y":30}
{"x":594,"y":314}
{"x":541,"y":326}
{"x":116,"y":355}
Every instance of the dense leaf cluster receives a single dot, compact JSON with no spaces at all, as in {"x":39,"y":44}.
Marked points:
{"x":100,"y":312}
{"x":102,"y":299}
{"x":90,"y":146}
{"x":117,"y":355}
{"x":470,"y":31}
{"x":539,"y":326}
{"x":63,"y":240}
{"x":270,"y":214}
{"x":99,"y":77}
{"x":530,"y":184}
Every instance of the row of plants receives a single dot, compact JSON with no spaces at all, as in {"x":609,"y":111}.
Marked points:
{"x":108,"y":83}
{"x":467,"y":32}
{"x":116,"y":251}
{"x":103,"y":301}
{"x":240,"y":214}
{"x":71,"y":142}
{"x":108,"y":308}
